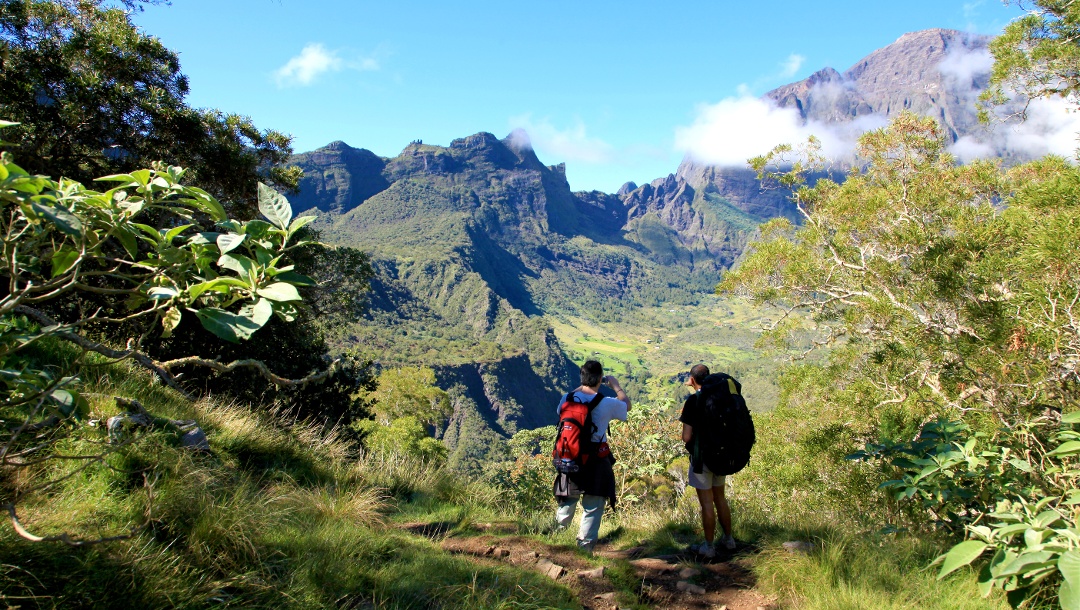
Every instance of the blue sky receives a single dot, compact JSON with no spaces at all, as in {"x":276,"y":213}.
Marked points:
{"x":601,"y":86}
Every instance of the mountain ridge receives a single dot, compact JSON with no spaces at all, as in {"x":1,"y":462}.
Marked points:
{"x":479,"y":241}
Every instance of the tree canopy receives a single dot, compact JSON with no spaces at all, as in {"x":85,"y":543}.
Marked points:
{"x":94,"y":96}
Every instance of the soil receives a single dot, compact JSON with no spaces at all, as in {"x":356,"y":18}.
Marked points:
{"x":682,"y":581}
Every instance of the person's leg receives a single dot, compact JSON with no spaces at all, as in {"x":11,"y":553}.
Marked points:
{"x":708,"y":516}
{"x":722,"y":508}
{"x":565,"y":513}
{"x":592,"y":508}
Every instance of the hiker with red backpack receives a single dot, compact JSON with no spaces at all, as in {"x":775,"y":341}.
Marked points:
{"x":719,"y":433}
{"x":582,"y":458}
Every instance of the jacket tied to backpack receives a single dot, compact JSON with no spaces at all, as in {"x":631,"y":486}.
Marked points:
{"x":723,"y":431}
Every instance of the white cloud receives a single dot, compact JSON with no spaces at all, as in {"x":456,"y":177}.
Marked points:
{"x":791,"y":65}
{"x":314,"y":61}
{"x":1051,"y":127}
{"x":570,"y":144}
{"x":961,"y":67}
{"x":735,"y":129}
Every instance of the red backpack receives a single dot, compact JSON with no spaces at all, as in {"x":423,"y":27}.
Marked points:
{"x":573,"y":436}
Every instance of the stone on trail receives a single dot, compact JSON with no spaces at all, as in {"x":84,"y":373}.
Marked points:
{"x":550,"y":570}
{"x":689,"y":573}
{"x":594,"y":573}
{"x":798,"y":546}
{"x":682,"y":585}
{"x":501,"y":552}
{"x":605,"y":596}
{"x":653,"y":564}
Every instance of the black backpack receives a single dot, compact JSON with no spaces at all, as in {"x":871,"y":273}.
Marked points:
{"x":724,"y":434}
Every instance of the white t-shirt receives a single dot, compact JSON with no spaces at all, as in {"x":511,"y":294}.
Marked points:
{"x":608,"y":409}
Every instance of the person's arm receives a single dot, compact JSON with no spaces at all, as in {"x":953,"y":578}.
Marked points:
{"x":619,"y":392}
{"x":687,"y":433}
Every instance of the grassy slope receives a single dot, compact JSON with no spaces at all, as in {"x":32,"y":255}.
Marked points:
{"x":280,"y":515}
{"x":277,"y":516}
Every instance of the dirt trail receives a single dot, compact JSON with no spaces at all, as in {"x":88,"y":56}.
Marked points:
{"x":682,"y":581}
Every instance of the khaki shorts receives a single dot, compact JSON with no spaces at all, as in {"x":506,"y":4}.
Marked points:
{"x":705,"y":480}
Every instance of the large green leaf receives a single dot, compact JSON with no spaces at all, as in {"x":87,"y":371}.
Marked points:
{"x":1069,"y":448}
{"x":297,"y":279}
{"x":1071,"y":418}
{"x":1026,"y":563}
{"x":221,"y":284}
{"x":63,"y":260}
{"x":228,"y":326}
{"x":258,"y":312}
{"x":229,"y":241}
{"x":238,"y":263}
{"x":161,"y":293}
{"x":961,"y":555}
{"x":60,"y":217}
{"x":274,"y":206}
{"x":205,"y":202}
{"x":279,"y":291}
{"x":128,"y":239}
{"x":1069,"y":566}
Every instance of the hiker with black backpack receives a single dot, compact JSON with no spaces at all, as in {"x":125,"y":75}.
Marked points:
{"x":582,"y":458}
{"x":718,"y":432}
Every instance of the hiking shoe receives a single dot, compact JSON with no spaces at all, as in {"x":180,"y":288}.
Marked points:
{"x":586,"y":545}
{"x":704,"y":549}
{"x":728,"y":542}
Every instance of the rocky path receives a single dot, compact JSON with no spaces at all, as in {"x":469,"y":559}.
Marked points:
{"x":682,"y":581}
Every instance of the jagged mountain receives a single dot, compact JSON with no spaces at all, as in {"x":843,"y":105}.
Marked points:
{"x":476,"y":241}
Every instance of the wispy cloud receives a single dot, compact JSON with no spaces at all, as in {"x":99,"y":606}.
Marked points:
{"x":791,"y":65}
{"x":316,"y":60}
{"x":572,"y":143}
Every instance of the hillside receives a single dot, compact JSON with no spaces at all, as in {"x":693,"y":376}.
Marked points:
{"x":477,"y":242}
{"x":480,"y":247}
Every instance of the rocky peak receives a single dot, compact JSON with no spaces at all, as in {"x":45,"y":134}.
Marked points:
{"x":918,"y":72}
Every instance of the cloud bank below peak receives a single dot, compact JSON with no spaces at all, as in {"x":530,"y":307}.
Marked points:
{"x":838,"y":108}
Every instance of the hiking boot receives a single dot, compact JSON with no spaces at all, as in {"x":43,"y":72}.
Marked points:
{"x":586,"y":545}
{"x":704,"y":549}
{"x":728,"y":543}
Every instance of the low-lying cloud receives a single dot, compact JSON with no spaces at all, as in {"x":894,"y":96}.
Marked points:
{"x":314,"y":61}
{"x":737,"y":128}
{"x":569,"y":144}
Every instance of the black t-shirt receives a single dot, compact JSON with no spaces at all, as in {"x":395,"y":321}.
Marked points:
{"x":690,"y":413}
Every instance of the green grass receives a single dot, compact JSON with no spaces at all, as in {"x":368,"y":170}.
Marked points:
{"x":278,"y":515}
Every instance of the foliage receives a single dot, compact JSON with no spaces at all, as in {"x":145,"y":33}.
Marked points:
{"x":526,"y":478}
{"x":60,"y":239}
{"x":644,"y":448}
{"x":95,"y":96}
{"x":944,"y":291}
{"x":1014,"y":493}
{"x":1036,"y":56}
{"x":405,"y":436}
{"x":409,"y":392}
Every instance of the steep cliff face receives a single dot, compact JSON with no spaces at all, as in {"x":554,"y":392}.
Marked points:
{"x":338,"y":177}
{"x":935,"y":73}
